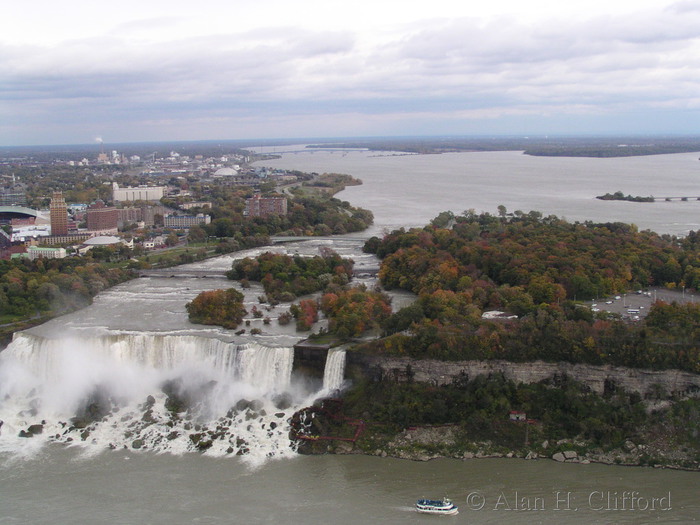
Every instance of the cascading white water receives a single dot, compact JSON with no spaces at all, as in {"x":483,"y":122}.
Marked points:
{"x":334,"y":371}
{"x":230,"y":393}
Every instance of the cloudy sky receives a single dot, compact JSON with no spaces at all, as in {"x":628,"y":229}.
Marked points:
{"x":213,"y":69}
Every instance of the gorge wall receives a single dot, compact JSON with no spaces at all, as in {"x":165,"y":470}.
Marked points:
{"x":600,"y":379}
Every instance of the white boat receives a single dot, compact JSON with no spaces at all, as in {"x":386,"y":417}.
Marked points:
{"x":432,"y":506}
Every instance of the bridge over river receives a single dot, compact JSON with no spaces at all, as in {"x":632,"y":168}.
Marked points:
{"x":276,"y":239}
{"x":182,"y":273}
{"x":176,"y":271}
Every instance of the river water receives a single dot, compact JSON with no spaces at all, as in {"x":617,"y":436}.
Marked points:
{"x":136,"y":335}
{"x":410,"y":190}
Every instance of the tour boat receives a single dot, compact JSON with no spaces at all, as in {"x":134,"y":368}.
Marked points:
{"x":431,"y":506}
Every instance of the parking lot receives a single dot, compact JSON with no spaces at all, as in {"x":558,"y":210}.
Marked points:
{"x":636,"y":305}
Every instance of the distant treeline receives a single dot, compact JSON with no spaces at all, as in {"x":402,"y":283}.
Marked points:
{"x":538,"y":146}
{"x":53,"y":286}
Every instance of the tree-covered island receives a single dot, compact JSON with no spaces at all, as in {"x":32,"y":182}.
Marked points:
{"x":619,"y":196}
{"x":285,"y":277}
{"x":537,"y":269}
{"x":217,"y":307}
{"x":350,"y":310}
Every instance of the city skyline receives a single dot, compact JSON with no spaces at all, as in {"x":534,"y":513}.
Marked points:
{"x":215,"y":70}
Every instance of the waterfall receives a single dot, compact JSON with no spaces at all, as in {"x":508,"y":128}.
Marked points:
{"x":152,"y":391}
{"x":334,"y":371}
{"x":269,"y":369}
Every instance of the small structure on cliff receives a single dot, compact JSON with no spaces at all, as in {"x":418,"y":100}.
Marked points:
{"x":517,"y":415}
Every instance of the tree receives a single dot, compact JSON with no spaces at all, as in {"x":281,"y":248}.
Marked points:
{"x":197,"y":234}
{"x":306,"y":314}
{"x":171,"y":240}
{"x":217,"y":307}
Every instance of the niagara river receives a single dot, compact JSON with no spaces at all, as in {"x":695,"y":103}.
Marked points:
{"x":90,"y":402}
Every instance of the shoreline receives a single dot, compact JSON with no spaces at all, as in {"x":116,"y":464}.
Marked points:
{"x":612,"y":458}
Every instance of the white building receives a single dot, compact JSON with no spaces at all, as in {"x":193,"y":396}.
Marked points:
{"x":184,"y":222}
{"x":36,"y":252}
{"x":140,"y":193}
{"x":225,"y":172}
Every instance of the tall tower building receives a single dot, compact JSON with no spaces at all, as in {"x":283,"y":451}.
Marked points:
{"x":59,"y":214}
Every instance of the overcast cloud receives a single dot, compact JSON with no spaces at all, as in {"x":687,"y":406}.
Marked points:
{"x":217,"y":70}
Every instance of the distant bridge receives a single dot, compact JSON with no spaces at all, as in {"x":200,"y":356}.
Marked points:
{"x":182,"y":273}
{"x":677,"y":198}
{"x":334,"y":238}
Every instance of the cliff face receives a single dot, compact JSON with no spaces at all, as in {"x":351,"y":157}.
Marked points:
{"x":600,"y":379}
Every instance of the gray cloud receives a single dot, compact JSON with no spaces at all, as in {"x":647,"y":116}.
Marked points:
{"x":441,"y":69}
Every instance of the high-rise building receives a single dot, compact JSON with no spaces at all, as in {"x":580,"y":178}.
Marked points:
{"x":101,"y":217}
{"x":258,"y":206}
{"x":59,"y":214}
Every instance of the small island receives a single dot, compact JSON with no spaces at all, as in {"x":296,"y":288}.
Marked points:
{"x":619,"y":196}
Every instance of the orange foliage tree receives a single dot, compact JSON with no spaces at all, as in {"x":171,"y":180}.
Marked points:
{"x":217,"y":307}
{"x":353,"y":311}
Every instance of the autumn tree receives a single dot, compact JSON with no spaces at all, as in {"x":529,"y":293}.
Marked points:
{"x":217,"y":307}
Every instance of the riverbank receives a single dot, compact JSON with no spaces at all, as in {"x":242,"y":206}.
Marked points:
{"x":426,"y":443}
{"x":423,"y":409}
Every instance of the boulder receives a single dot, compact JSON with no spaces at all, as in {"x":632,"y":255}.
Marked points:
{"x":242,"y":405}
{"x":344,"y":447}
{"x":204,"y":444}
{"x":283,"y":401}
{"x":137,"y":443}
{"x":95,"y":407}
{"x":35,"y":429}
{"x":150,"y":401}
{"x":558,"y":456}
{"x":148,"y":416}
{"x":570,"y":454}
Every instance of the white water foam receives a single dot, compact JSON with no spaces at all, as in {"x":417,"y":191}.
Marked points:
{"x":235,"y":399}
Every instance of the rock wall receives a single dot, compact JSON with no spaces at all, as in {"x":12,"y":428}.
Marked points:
{"x":648,"y":383}
{"x":310,"y":359}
